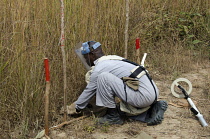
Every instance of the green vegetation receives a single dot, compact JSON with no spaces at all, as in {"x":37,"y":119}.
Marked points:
{"x":175,"y":34}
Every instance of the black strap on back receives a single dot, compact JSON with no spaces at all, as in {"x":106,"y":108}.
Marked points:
{"x":139,"y":70}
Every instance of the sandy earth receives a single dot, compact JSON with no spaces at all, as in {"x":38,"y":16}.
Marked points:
{"x":179,"y":122}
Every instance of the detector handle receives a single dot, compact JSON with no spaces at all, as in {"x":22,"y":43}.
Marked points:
{"x":193,"y":107}
{"x":200,"y":117}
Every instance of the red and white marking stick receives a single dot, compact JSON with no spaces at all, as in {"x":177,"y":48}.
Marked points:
{"x":47,"y":92}
{"x":64,"y":60}
{"x":138,"y":50}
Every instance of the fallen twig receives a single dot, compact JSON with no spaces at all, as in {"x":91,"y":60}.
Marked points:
{"x":205,"y":136}
{"x":67,"y":122}
{"x":161,"y":97}
{"x":42,"y":133}
{"x":173,"y":104}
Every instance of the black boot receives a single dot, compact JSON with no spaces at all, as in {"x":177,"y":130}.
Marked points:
{"x":111,"y":117}
{"x":156,"y":113}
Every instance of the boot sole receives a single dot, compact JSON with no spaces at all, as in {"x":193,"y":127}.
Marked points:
{"x":119,"y":122}
{"x":162,"y":107}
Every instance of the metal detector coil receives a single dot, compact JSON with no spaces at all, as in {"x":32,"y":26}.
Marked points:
{"x":186,"y":96}
{"x":176,"y":83}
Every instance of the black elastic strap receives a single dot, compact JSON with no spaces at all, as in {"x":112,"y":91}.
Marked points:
{"x":150,"y":79}
{"x":126,"y":97}
{"x":126,"y":60}
{"x":136,"y":72}
{"x":139,"y":70}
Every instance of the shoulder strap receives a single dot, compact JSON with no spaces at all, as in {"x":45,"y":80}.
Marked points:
{"x":138,"y":71}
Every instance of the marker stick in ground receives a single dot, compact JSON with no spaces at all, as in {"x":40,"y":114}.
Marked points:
{"x":47,"y":92}
{"x":64,"y":61}
{"x":138,"y":50}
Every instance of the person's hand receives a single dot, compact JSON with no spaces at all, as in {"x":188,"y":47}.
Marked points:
{"x":71,"y":110}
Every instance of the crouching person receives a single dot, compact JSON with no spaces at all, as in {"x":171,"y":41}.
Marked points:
{"x":113,"y":76}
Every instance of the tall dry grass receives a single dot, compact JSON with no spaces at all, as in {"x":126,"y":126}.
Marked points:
{"x":175,"y":34}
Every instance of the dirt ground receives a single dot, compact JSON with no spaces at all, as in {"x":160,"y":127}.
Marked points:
{"x":179,"y":122}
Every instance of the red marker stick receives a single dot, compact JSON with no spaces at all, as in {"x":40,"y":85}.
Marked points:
{"x":137,"y":43}
{"x":47,"y":69}
{"x":47,"y":92}
{"x":137,"y":50}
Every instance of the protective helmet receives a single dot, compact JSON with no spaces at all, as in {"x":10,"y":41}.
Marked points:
{"x":87,"y":48}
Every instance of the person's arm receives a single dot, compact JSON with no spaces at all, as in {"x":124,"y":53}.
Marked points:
{"x":88,"y":92}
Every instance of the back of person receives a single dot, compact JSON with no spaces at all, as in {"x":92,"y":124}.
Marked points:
{"x":145,"y":94}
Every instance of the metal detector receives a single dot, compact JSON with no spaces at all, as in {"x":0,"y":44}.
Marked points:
{"x":186,"y":96}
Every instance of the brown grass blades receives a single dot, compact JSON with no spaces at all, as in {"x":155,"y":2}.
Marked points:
{"x":174,"y":34}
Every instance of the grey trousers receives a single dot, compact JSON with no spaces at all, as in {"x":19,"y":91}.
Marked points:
{"x":109,"y":86}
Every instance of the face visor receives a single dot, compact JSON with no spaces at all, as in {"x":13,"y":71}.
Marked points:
{"x":84,"y":48}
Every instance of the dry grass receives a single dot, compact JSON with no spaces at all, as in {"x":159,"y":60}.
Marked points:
{"x":176,"y":36}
